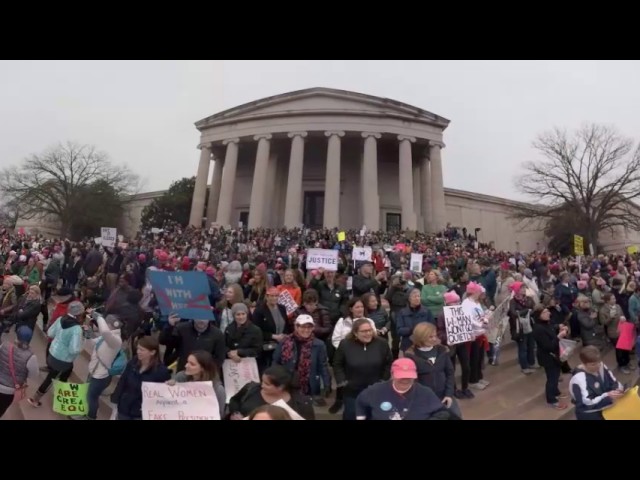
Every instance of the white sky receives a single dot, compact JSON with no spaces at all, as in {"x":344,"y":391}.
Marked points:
{"x":142,"y":112}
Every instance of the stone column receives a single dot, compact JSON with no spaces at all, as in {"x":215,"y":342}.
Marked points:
{"x":425,"y":181}
{"x":332,"y":181}
{"x":200,"y":190}
{"x":437,"y":188}
{"x":409,"y":221}
{"x":370,"y":197}
{"x":214,"y":192}
{"x":293,"y":203}
{"x":228,"y":182}
{"x":417,"y":199}
{"x":259,"y":188}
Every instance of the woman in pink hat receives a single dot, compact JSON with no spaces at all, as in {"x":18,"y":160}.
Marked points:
{"x":474,"y":309}
{"x":459,"y":351}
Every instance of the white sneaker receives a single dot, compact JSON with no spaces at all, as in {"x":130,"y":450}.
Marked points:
{"x":477,"y":386}
{"x":483,"y":382}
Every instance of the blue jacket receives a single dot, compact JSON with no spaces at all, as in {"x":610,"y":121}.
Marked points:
{"x":406,"y":321}
{"x":634,"y":308}
{"x":319,"y":365}
{"x":68,"y":339}
{"x":590,"y":392}
{"x":128,"y":392}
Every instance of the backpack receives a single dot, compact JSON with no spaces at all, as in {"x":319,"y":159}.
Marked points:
{"x":119,"y":363}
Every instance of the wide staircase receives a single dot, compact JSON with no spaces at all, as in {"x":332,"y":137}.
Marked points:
{"x":510,"y":395}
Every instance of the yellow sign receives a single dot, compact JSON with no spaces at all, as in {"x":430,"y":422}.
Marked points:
{"x":632,"y":249}
{"x":627,"y":408}
{"x":578,"y":245}
{"x":342,"y":236}
{"x":70,"y":398}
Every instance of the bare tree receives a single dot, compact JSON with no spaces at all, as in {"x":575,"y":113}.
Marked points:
{"x":594,"y":172}
{"x":55,"y":182}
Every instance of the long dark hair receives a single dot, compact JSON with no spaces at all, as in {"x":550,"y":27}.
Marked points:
{"x":275,"y":412}
{"x":151,"y":344}
{"x":207,"y":364}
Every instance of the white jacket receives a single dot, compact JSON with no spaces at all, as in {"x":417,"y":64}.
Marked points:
{"x":108,"y":350}
{"x":476,"y":313}
{"x":343,"y":328}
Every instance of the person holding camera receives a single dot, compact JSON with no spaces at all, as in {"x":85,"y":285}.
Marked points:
{"x":107,"y":359}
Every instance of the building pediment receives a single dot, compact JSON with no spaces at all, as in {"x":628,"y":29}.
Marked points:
{"x":322,"y":101}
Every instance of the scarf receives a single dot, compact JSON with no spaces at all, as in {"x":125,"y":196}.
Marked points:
{"x":303,"y":370}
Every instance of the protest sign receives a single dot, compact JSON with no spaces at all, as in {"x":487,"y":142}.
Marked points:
{"x":185,"y":294}
{"x":322,"y":258}
{"x":416,"y":262}
{"x":458,"y":325}
{"x":626,"y":408}
{"x":282,"y":404}
{"x":237,"y":375}
{"x":578,"y":245}
{"x":70,"y":398}
{"x":286,"y":300}
{"x":362,"y":254}
{"x":182,"y":401}
{"x":108,"y":236}
{"x":341,"y":236}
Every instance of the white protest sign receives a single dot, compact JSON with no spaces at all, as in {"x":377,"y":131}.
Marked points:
{"x":282,"y":404}
{"x":109,"y":236}
{"x":157,"y":230}
{"x":458,"y":325}
{"x":416,"y":262}
{"x":286,"y":300}
{"x":237,"y":375}
{"x":120,"y":238}
{"x":362,"y":254}
{"x":182,"y":401}
{"x":322,"y":258}
{"x":97,"y":240}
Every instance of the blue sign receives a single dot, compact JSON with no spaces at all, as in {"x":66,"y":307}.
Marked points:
{"x":185,"y":294}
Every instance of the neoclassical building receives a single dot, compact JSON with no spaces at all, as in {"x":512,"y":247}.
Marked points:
{"x":322,"y":157}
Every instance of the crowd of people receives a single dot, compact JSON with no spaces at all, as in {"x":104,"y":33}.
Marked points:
{"x":373,"y":330}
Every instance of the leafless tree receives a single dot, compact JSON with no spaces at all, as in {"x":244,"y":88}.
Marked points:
{"x":53,"y":183}
{"x":595,"y":172}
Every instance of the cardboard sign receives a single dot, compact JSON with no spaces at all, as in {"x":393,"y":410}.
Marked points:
{"x":70,"y":398}
{"x":108,"y":236}
{"x":237,"y":375}
{"x":416,"y":262}
{"x":182,"y":401}
{"x":322,"y":258}
{"x":458,"y":325}
{"x":185,"y":294}
{"x":362,"y":254}
{"x":286,"y":300}
{"x":578,"y":245}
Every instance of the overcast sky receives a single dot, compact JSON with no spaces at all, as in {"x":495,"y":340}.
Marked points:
{"x":142,"y":112}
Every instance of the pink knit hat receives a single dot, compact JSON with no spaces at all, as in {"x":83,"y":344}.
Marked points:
{"x":474,"y":287}
{"x":451,"y":297}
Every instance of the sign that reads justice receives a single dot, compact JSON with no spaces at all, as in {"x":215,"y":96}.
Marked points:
{"x":458,"y":325}
{"x":322,"y":258}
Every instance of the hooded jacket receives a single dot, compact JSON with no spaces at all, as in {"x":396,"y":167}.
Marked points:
{"x":68,"y":340}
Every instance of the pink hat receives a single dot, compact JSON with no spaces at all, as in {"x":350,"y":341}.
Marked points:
{"x":582,"y":285}
{"x":585,"y":277}
{"x":474,"y":287}
{"x":210,"y":271}
{"x":516,"y":286}
{"x":142,"y":258}
{"x":163,"y":256}
{"x":404,"y":368}
{"x":451,"y":297}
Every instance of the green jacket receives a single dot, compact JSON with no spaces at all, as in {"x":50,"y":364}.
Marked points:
{"x":432,"y":297}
